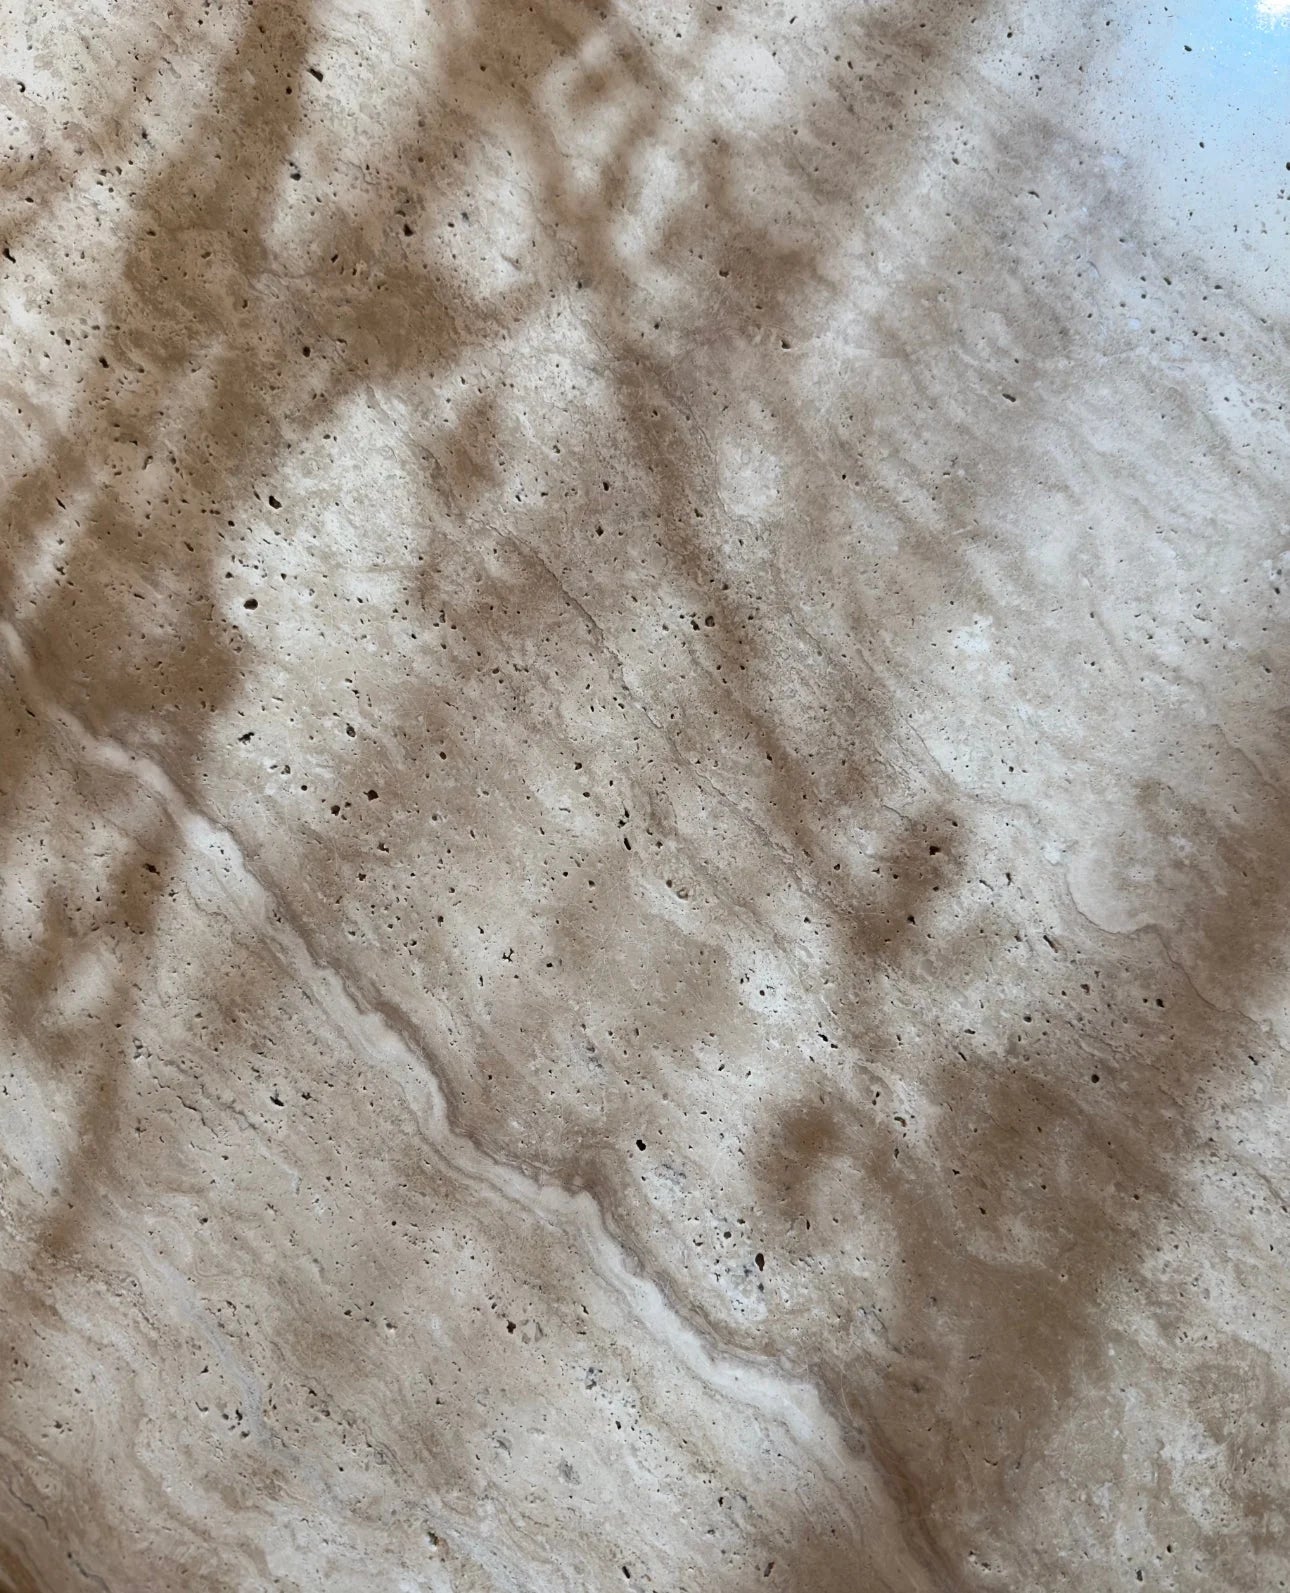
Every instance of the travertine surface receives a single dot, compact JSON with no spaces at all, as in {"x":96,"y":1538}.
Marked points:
{"x":644,"y":797}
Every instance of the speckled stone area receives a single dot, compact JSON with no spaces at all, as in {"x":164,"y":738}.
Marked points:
{"x":644,"y":820}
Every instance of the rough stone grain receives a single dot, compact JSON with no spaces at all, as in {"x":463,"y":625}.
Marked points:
{"x":643,"y":797}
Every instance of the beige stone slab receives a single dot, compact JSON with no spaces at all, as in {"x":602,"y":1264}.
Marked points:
{"x":642,"y":807}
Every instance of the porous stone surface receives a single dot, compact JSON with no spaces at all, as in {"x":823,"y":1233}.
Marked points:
{"x":644,"y":822}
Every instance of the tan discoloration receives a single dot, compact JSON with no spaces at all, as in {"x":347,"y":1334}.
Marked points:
{"x":644,"y":932}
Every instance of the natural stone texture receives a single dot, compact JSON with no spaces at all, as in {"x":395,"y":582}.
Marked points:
{"x":644,"y":822}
